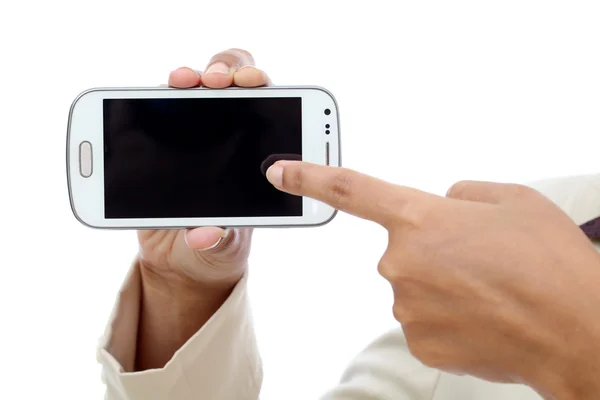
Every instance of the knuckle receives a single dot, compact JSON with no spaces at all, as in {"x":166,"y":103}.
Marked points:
{"x":520,"y":191}
{"x":406,"y":309}
{"x":242,"y":57}
{"x":341,"y":188}
{"x":398,"y":266}
{"x":425,"y":350}
{"x":458,"y":189}
{"x":293,"y":179}
{"x":242,"y":52}
{"x":222,"y":56}
{"x":156,"y":246}
{"x":231,"y":59}
{"x":416,"y":214}
{"x":233,"y":248}
{"x":387,"y":269}
{"x":402,"y":313}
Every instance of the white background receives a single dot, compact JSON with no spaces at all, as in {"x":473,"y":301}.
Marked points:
{"x":430,"y":92}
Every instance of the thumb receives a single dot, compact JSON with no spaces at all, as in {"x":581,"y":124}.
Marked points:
{"x":213,"y":253}
{"x":218,"y":247}
{"x":205,"y":238}
{"x":487,"y":192}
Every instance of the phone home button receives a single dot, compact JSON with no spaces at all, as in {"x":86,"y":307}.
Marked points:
{"x":85,"y":159}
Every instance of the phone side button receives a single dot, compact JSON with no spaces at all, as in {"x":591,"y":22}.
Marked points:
{"x":85,"y":159}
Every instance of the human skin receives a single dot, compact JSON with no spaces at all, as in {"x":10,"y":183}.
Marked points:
{"x":493,"y":280}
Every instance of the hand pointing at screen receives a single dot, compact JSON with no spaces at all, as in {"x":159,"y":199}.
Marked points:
{"x":492,"y":280}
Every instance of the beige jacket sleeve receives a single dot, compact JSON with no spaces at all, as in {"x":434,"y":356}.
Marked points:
{"x":220,"y":361}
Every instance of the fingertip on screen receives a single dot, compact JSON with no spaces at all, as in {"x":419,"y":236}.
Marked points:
{"x":273,"y":158}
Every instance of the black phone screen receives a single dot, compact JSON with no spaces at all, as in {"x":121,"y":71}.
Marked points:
{"x":198,"y":157}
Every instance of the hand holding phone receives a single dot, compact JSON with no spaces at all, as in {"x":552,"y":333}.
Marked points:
{"x":192,"y":269}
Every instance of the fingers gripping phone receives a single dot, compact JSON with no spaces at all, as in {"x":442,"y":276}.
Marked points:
{"x":163,"y":158}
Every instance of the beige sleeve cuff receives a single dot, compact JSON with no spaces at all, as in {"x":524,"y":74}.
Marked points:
{"x":220,"y":361}
{"x":386,"y":370}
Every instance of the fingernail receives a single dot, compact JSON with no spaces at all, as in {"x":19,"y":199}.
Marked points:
{"x":184,"y":69}
{"x":185,"y":239}
{"x":275,"y":175}
{"x":218,"y":242}
{"x":246,"y":67}
{"x":218,"y":68}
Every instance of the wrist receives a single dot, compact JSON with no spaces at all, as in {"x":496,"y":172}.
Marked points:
{"x":178,"y":286}
{"x":181,"y":295}
{"x":576,"y":377}
{"x":172,"y":309}
{"x":575,"y":390}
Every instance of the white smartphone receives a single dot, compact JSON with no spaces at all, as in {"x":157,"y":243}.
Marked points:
{"x":164,"y":158}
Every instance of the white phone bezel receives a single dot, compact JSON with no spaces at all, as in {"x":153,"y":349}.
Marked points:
{"x":86,"y":194}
